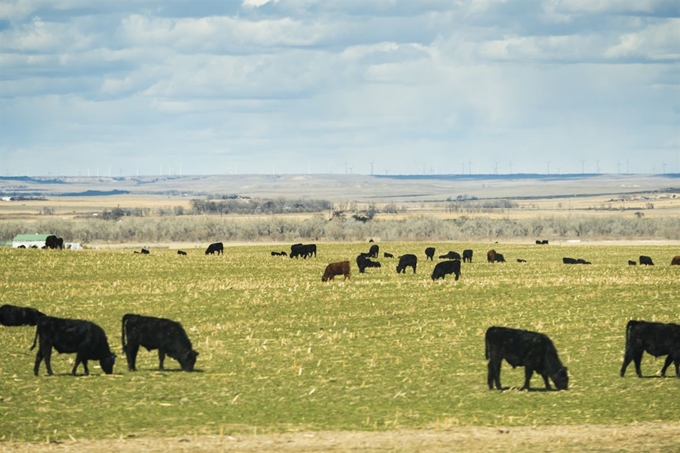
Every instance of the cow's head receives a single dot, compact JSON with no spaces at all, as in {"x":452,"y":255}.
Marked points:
{"x":187,"y":360}
{"x":107,"y":363}
{"x":561,"y":379}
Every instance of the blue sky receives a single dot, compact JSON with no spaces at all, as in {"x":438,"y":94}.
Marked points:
{"x":345,"y":86}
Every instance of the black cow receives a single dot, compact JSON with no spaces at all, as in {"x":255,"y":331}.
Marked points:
{"x":467,"y":255}
{"x":276,"y":254}
{"x":85,"y":338}
{"x":520,"y":260}
{"x":566,"y":260}
{"x":54,"y":242}
{"x":373,"y":251}
{"x":450,"y":256}
{"x":446,"y":267}
{"x":364,"y":262}
{"x":532,"y":350}
{"x":538,"y":242}
{"x":181,"y":252}
{"x":388,"y":255}
{"x":429,"y":254}
{"x":303,"y":250}
{"x":145,"y":252}
{"x":499,"y":258}
{"x":216,"y":247}
{"x":646,"y":261}
{"x":544,"y":242}
{"x":655,"y":338}
{"x":406,"y":261}
{"x":11,"y":315}
{"x":631,"y":262}
{"x":163,"y":334}
{"x":582,"y":261}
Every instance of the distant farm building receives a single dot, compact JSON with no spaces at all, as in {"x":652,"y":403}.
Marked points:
{"x":29,"y":240}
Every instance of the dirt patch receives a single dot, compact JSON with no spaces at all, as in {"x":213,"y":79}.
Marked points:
{"x":628,"y":438}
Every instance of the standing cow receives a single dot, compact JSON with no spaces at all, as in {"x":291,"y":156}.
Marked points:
{"x":54,"y":242}
{"x":333,"y":269}
{"x":163,"y":334}
{"x":11,"y":315}
{"x":490,"y":256}
{"x":216,"y":247}
{"x":429,"y":253}
{"x":373,"y":251}
{"x":85,"y":338}
{"x":532,"y":350}
{"x":405,"y":261}
{"x":655,"y":338}
{"x":467,"y":256}
{"x":446,"y":267}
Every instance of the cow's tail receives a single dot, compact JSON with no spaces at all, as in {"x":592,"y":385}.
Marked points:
{"x":122,"y":330}
{"x":35,"y":340}
{"x":629,"y":327}
{"x":486,"y":346}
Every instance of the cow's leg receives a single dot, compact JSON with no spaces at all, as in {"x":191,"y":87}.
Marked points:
{"x":47,"y":356}
{"x":38,"y":359}
{"x":627,"y":358}
{"x":494,"y":374}
{"x":547,"y":382}
{"x":637,"y":358}
{"x":78,"y":362}
{"x":528,"y":372}
{"x":161,"y":358}
{"x":131,"y":350}
{"x":667,"y":363}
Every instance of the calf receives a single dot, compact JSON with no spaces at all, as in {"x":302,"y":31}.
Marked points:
{"x":406,"y":261}
{"x":11,"y":315}
{"x":467,"y":255}
{"x":215,"y":247}
{"x":163,"y":334}
{"x":85,"y":338}
{"x":333,"y":269}
{"x":364,"y":262}
{"x":520,"y":260}
{"x":532,"y":350}
{"x":675,"y":261}
{"x":631,"y":262}
{"x":388,"y":255}
{"x":646,"y":261}
{"x":655,"y":338}
{"x":429,"y":254}
{"x":566,"y":260}
{"x":446,"y":267}
{"x":181,"y":252}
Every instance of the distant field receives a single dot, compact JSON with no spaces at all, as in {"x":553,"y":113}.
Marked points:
{"x":280,"y":351}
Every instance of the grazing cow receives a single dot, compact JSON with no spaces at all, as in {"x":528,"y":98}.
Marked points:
{"x":54,"y":242}
{"x":406,"y":261}
{"x":532,"y":350}
{"x":181,"y":252}
{"x":216,"y":247}
{"x":582,"y":261}
{"x":85,"y":338}
{"x":333,"y":269}
{"x":498,"y":258}
{"x":467,"y":256}
{"x":675,"y":261}
{"x":646,"y":261}
{"x":429,"y":254}
{"x":566,"y":260}
{"x":364,"y":262}
{"x":655,"y":338}
{"x":446,"y":267}
{"x":373,"y":251}
{"x":145,"y":252}
{"x":631,"y":263}
{"x":163,"y":334}
{"x":520,"y":260}
{"x":11,"y":315}
{"x":303,"y":250}
{"x":490,"y":256}
{"x":388,"y":255}
{"x":450,"y":256}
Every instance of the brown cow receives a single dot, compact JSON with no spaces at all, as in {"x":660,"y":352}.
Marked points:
{"x":675,"y":261}
{"x":491,"y":256}
{"x":333,"y":269}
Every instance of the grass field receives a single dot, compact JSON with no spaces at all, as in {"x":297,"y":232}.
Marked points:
{"x":280,"y":351}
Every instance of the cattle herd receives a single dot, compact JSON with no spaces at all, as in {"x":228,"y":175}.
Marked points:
{"x":532,"y":350}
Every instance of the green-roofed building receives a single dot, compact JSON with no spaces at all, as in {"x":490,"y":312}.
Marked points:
{"x":29,"y":240}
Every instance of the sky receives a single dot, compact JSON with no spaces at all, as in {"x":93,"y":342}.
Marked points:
{"x":170,"y":87}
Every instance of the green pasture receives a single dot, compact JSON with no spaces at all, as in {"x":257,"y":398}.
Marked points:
{"x":281,"y":351}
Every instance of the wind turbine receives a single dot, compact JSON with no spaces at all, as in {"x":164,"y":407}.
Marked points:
{"x":495,"y":167}
{"x":548,"y":162}
{"x":597,"y":166}
{"x":371,"y":163}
